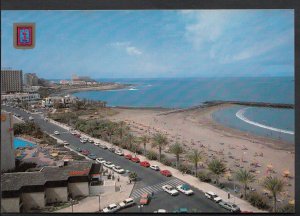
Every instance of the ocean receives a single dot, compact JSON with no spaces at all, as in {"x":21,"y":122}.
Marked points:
{"x":187,"y":92}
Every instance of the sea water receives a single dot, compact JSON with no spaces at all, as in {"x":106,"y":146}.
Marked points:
{"x":187,"y":92}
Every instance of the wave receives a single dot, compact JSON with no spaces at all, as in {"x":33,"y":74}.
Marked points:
{"x":240,"y":115}
{"x":132,"y":89}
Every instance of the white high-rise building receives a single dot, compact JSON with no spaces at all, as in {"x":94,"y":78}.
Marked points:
{"x":7,"y":142}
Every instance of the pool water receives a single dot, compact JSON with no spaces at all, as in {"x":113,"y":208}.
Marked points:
{"x":22,"y":143}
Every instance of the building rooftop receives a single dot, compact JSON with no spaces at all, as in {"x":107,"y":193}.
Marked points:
{"x":15,"y":181}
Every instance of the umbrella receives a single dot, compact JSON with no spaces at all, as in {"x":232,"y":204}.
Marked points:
{"x":292,"y":202}
{"x":270,"y":166}
{"x":286,"y":173}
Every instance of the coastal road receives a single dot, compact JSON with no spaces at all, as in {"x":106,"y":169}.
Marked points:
{"x":148,"y":180}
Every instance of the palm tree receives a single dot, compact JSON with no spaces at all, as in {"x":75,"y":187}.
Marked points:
{"x":195,"y":157}
{"x":177,"y":150}
{"x":275,"y":186}
{"x":161,"y":141}
{"x":217,"y":167}
{"x":244,"y":177}
{"x":144,"y":139}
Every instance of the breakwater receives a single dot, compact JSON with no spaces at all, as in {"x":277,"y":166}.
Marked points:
{"x":243,"y":103}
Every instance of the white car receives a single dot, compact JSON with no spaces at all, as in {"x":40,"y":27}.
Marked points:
{"x":126,"y":203}
{"x":119,"y":152}
{"x":56,"y":132}
{"x":108,"y":164}
{"x":118,"y":169}
{"x":161,"y":211}
{"x":213,"y":196}
{"x":185,"y":188}
{"x":170,"y":190}
{"x":100,"y":160}
{"x":73,"y":132}
{"x":111,"y":208}
{"x":90,"y":140}
{"x":83,"y":140}
{"x":65,"y":143}
{"x":31,"y":118}
{"x":154,"y":167}
{"x":97,"y":143}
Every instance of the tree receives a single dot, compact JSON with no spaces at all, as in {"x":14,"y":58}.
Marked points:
{"x":177,"y":150}
{"x":275,"y":186}
{"x":160,"y":141}
{"x":244,"y":177}
{"x":195,"y":158}
{"x":217,"y":167}
{"x":144,"y":140}
{"x":133,"y":176}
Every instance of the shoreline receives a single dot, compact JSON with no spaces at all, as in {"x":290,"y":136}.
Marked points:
{"x":196,"y":129}
{"x":111,"y":86}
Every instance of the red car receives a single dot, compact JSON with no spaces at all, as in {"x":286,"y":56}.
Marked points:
{"x":166,"y":173}
{"x":145,"y":198}
{"x":128,"y":156}
{"x":145,"y":164}
{"x":85,"y":152}
{"x":77,"y":135}
{"x":135,"y":159}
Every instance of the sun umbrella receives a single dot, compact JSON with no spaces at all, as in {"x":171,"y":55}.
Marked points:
{"x":286,"y":173}
{"x":292,"y":202}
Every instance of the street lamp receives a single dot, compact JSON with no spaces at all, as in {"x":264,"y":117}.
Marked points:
{"x":99,"y":203}
{"x":72,"y":204}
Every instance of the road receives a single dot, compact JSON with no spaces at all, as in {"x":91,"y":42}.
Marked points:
{"x":148,"y":180}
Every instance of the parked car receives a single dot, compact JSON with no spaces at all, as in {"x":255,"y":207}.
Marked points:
{"x":96,"y":143}
{"x":118,"y":169}
{"x":92,"y":156}
{"x":100,"y":160}
{"x":103,"y":146}
{"x":108,"y":164}
{"x":185,"y":188}
{"x":181,"y":210}
{"x":170,"y":190}
{"x":73,"y":132}
{"x":111,"y":208}
{"x":85,"y":152}
{"x":230,"y":206}
{"x":56,"y":132}
{"x":128,"y":156}
{"x":90,"y":140}
{"x":65,"y":143}
{"x":135,"y":159}
{"x":83,"y":140}
{"x":79,"y":149}
{"x":112,"y":149}
{"x":166,"y":173}
{"x":119,"y":152}
{"x":126,"y":203}
{"x":213,"y":196}
{"x":154,"y":167}
{"x":31,"y":118}
{"x":161,"y":211}
{"x":145,"y":164}
{"x":77,"y":135}
{"x":145,"y":199}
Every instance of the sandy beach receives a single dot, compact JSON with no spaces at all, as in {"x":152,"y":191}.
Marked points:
{"x":196,"y":129}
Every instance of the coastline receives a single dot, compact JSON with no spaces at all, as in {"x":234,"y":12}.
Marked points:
{"x":196,"y":128}
{"x":110,"y":86}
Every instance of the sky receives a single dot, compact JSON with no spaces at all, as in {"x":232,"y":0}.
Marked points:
{"x":153,"y":43}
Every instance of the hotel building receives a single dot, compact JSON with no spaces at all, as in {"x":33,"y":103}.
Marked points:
{"x":11,"y":81}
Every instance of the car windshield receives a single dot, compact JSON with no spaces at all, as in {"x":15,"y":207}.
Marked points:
{"x":185,"y":187}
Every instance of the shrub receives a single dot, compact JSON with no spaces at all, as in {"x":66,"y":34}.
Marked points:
{"x":288,"y":208}
{"x":257,"y":200}
{"x":151,"y":155}
{"x":204,"y":176}
{"x":166,"y":161}
{"x":185,"y":168}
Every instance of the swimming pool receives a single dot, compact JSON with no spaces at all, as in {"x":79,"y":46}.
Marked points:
{"x":21,"y":143}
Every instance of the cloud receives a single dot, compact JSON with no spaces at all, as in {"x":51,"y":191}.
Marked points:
{"x":131,"y":50}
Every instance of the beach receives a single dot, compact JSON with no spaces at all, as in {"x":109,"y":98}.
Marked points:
{"x":196,"y":128}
